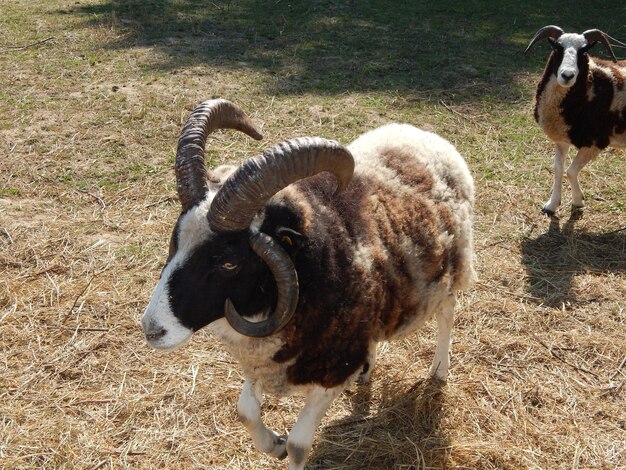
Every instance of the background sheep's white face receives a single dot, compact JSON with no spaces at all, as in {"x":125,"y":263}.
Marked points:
{"x":568,"y":46}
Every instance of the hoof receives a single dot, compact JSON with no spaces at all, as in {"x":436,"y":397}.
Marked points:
{"x":577,"y":212}
{"x":438,"y":376}
{"x":282,"y":442}
{"x":548,"y":212}
{"x":363,"y":380}
{"x":438,"y":379}
{"x":364,"y":376}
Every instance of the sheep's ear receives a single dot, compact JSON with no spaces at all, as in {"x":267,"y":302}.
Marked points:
{"x":289,"y":238}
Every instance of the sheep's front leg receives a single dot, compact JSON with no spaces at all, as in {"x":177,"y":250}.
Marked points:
{"x":249,"y":409}
{"x":445,"y":320}
{"x":366,"y":373}
{"x":300,"y":438}
{"x":559,"y":162}
{"x":584,"y":156}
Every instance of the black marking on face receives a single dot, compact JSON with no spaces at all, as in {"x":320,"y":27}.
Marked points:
{"x":224,"y":266}
{"x":557,"y":47}
{"x":173,"y":242}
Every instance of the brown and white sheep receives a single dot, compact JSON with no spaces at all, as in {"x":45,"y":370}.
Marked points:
{"x":300,"y":277}
{"x":580,"y":101}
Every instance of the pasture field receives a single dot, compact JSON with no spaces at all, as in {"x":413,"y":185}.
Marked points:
{"x":93,"y":94}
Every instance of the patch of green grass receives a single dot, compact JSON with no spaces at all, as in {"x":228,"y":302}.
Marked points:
{"x":10,"y":192}
{"x":138,"y":169}
{"x":617,"y":206}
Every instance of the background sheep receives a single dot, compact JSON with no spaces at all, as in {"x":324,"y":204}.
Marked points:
{"x":580,"y":101}
{"x":300,"y":281}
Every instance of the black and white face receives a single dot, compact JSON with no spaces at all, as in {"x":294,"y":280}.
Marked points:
{"x":568,"y":48}
{"x":203,"y":270}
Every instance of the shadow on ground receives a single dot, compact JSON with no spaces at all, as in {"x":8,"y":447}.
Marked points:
{"x":555,"y":258}
{"x":404,"y":433}
{"x":328,"y":46}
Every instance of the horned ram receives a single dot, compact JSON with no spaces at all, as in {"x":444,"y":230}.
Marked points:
{"x":580,"y":101}
{"x":306,"y":256}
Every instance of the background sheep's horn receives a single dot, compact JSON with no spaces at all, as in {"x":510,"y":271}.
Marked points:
{"x":247,"y":190}
{"x":286,"y":278}
{"x":549,"y":31}
{"x":192,"y":176}
{"x":595,"y":35}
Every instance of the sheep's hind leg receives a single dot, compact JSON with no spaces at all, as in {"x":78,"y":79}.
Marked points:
{"x":300,"y":438}
{"x":584,"y":156}
{"x":249,"y":409}
{"x":445,"y":320}
{"x":553,"y":204}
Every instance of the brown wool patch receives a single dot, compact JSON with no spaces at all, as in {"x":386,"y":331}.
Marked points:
{"x":418,"y":218}
{"x":398,"y":232}
{"x":411,"y":218}
{"x":409,"y":172}
{"x":452,"y":184}
{"x":617,"y":71}
{"x":619,"y":77}
{"x":343,"y":325}
{"x":452,"y":258}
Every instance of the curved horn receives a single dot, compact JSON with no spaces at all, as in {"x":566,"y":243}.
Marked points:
{"x":192,"y":176}
{"x":549,"y":31}
{"x":286,"y":278}
{"x":595,"y":35}
{"x":247,"y":190}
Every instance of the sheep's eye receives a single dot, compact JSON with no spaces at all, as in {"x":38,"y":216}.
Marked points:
{"x":229,"y":266}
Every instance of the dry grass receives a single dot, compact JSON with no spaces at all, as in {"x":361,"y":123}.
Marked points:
{"x":87,"y":202}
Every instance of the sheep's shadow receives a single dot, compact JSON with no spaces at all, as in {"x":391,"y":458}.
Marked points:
{"x":555,"y":258}
{"x":403,"y":433}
